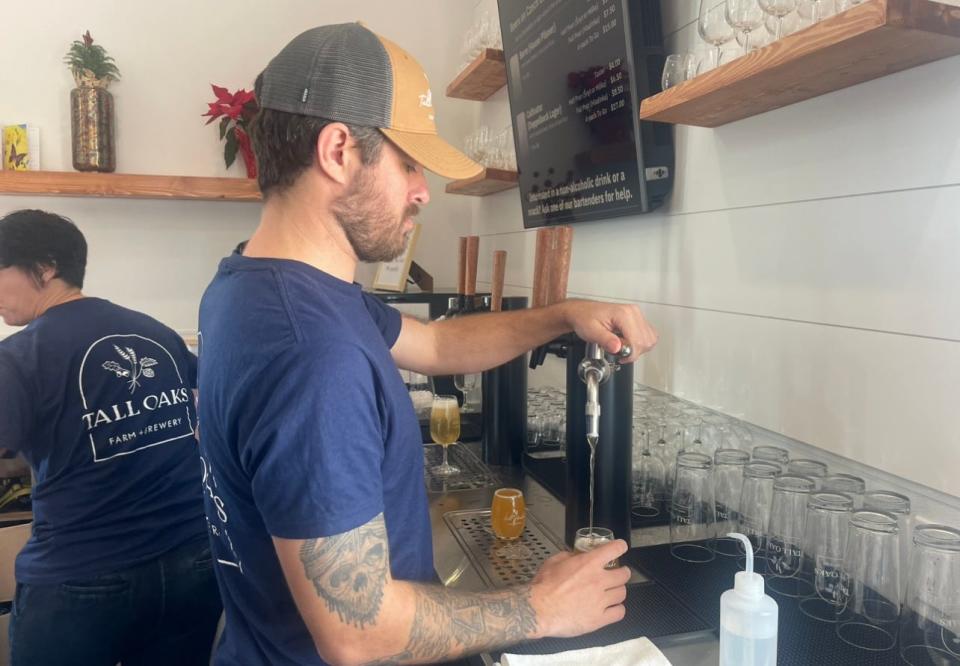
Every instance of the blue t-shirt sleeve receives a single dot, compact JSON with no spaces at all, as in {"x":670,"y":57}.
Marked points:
{"x":16,"y":413}
{"x":315,"y":452}
{"x":387,"y":319}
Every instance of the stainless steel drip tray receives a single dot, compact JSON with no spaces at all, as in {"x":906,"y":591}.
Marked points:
{"x":472,"y":476}
{"x":471,"y":528}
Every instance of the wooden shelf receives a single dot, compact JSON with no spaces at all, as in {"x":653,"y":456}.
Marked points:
{"x":872,"y":39}
{"x":489,"y":181}
{"x":125,"y":185}
{"x":481,"y":78}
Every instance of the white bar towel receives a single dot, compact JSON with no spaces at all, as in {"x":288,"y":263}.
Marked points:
{"x":636,"y":652}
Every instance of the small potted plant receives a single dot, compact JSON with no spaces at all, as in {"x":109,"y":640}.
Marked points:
{"x":235,"y":111}
{"x":91,"y":106}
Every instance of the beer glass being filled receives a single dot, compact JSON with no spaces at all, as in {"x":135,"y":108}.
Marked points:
{"x":445,"y":429}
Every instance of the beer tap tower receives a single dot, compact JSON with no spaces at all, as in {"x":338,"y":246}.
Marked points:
{"x":599,"y":405}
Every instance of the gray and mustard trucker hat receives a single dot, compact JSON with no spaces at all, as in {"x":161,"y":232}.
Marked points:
{"x":348,"y":73}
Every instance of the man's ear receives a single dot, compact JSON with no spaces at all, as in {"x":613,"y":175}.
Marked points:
{"x":47,"y":273}
{"x":333,"y":155}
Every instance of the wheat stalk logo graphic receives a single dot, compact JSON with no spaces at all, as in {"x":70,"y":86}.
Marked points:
{"x":138,"y":367}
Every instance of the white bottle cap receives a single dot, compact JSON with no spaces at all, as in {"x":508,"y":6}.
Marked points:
{"x":747,"y":583}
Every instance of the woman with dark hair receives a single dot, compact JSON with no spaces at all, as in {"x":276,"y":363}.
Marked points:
{"x":99,"y":401}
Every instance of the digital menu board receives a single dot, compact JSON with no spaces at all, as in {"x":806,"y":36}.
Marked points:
{"x":576,"y":72}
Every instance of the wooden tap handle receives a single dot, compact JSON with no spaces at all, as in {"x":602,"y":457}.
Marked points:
{"x":462,"y":267}
{"x":563,"y":244}
{"x":473,"y":253}
{"x":499,"y":273}
{"x":541,"y":277}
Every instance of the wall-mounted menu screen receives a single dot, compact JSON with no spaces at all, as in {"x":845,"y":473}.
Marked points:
{"x":576,"y":71}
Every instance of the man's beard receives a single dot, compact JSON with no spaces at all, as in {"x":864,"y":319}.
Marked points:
{"x":371,"y":229}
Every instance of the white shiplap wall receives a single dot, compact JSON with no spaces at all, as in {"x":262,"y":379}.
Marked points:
{"x":804,"y":275}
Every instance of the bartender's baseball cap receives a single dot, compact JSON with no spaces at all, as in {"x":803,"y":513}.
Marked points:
{"x":348,"y":73}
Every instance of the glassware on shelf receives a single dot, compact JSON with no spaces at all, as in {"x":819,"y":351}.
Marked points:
{"x":466,"y":384}
{"x":693,"y":509}
{"x":847,"y":484}
{"x":728,"y":467}
{"x":784,"y":539}
{"x":647,"y":481}
{"x":421,"y":394}
{"x":868,"y":608}
{"x":676,"y":69}
{"x":815,"y":11}
{"x":755,"y":500}
{"x":898,"y":505}
{"x":713,"y":27}
{"x":930,"y":621}
{"x":773,"y":454}
{"x":745,"y":16}
{"x":778,"y":9}
{"x":807,"y":467}
{"x":824,"y":543}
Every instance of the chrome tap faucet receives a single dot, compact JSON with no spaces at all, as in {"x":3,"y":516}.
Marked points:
{"x":596,"y":368}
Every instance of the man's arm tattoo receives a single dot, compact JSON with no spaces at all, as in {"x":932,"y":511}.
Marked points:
{"x":349,"y":571}
{"x":449,"y":623}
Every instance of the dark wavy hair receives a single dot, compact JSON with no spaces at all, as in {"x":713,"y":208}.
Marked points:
{"x":285,"y":144}
{"x":34,"y":240}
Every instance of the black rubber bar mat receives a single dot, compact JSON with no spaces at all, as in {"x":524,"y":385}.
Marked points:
{"x":802,"y":641}
{"x":651,"y":612}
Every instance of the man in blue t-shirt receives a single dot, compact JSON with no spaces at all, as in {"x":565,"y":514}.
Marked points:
{"x":311,"y":451}
{"x":99,"y":400}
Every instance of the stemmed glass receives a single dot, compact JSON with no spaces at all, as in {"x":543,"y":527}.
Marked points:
{"x":713,"y":27}
{"x":745,"y":16}
{"x":445,"y":429}
{"x":778,"y":9}
{"x":465,"y":384}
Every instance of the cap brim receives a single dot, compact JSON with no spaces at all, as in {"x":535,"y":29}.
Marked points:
{"x":435,"y":154}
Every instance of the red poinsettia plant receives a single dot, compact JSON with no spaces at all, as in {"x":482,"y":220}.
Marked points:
{"x":235,"y":111}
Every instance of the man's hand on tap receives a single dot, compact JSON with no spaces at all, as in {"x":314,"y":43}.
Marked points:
{"x":611,"y":325}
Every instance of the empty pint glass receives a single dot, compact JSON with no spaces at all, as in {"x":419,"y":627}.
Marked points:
{"x":755,"y":500}
{"x":772,"y":454}
{"x":784,"y":553}
{"x":847,"y":484}
{"x":898,"y":505}
{"x":868,"y":608}
{"x":728,"y":467}
{"x":692,"y":509}
{"x":930,"y":622}
{"x":824,"y":544}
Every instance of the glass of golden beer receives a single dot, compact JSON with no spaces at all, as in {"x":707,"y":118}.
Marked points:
{"x":508,"y":516}
{"x":587,"y":539}
{"x":445,"y":429}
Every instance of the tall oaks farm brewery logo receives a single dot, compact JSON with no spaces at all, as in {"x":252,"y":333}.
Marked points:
{"x":134,"y":396}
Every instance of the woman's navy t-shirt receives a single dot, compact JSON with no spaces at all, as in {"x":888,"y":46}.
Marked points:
{"x":306,"y":431}
{"x":99,"y":400}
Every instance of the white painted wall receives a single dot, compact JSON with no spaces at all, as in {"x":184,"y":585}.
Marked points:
{"x":804,"y":275}
{"x":158,"y":256}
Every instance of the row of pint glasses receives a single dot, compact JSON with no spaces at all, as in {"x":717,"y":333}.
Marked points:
{"x":546,"y":418}
{"x":844,"y":553}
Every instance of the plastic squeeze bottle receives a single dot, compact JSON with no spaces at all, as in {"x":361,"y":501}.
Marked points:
{"x":748,"y":619}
